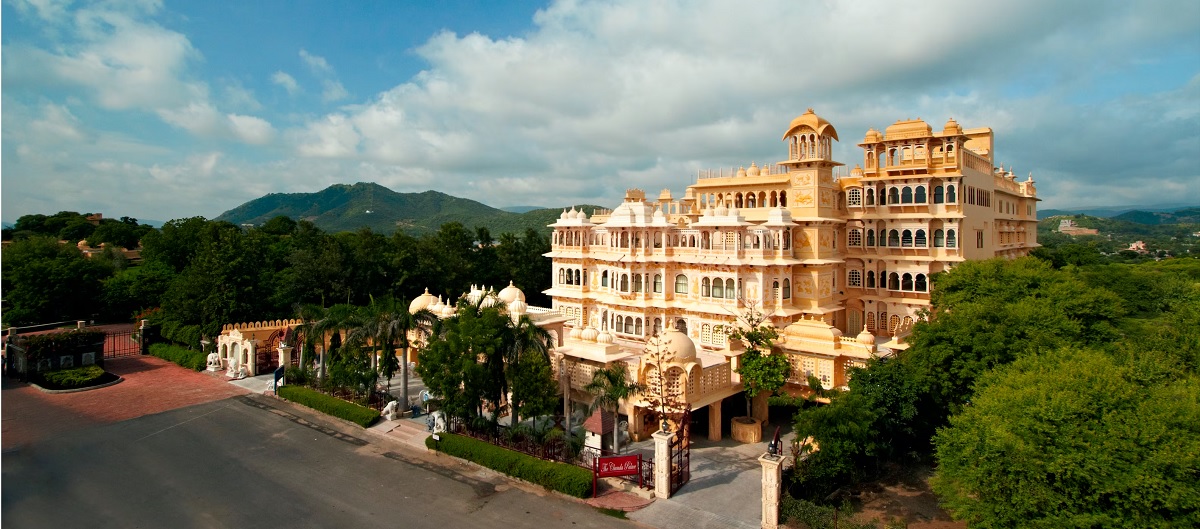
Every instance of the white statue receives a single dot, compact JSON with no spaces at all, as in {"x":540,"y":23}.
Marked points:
{"x":389,"y":411}
{"x":214,"y":361}
{"x":439,"y":421}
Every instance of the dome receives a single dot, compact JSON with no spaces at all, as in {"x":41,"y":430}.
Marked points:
{"x":866,"y":338}
{"x":576,"y":333}
{"x":753,"y":170}
{"x":421,"y":302}
{"x":908,"y":128}
{"x":447,"y":311}
{"x":589,"y":334}
{"x":814,"y":122}
{"x":872,"y":136}
{"x":741,"y":172}
{"x":437,"y":306}
{"x":677,"y":346}
{"x":604,"y":337}
{"x":517,"y":308}
{"x":952,"y":128}
{"x":511,"y":293}
{"x":564,"y":215}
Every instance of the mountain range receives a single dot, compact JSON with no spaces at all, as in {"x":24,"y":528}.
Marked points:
{"x":346,"y":207}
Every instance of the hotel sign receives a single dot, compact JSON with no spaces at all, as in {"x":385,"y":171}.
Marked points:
{"x":617,"y":466}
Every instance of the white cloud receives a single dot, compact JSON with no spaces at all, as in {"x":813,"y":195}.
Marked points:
{"x":238,"y":96}
{"x":252,"y":130}
{"x":332,"y":137}
{"x":316,"y":63}
{"x":334,"y":91}
{"x":286,"y":81}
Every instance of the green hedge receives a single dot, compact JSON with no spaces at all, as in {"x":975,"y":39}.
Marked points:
{"x":51,"y":345}
{"x":334,"y":406}
{"x":73,"y":377}
{"x":567,"y":479}
{"x":183,"y":356}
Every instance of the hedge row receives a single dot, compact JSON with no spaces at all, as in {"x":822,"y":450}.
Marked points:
{"x":59,"y":343}
{"x":73,"y":377}
{"x":183,"y":356}
{"x":334,"y":406}
{"x":567,"y":479}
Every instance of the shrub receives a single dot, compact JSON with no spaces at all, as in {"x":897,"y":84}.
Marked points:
{"x":183,"y":356}
{"x":73,"y":377}
{"x":819,"y":516}
{"x":323,"y":403}
{"x":564,"y":478}
{"x":60,"y":343}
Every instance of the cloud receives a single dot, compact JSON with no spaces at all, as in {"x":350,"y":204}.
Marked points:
{"x":334,"y":91}
{"x":316,"y":63}
{"x":286,"y":81}
{"x":252,"y":130}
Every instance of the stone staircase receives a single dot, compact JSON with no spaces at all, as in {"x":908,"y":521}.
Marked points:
{"x":409,"y":431}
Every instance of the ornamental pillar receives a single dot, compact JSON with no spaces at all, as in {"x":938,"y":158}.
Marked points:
{"x":714,"y":420}
{"x":772,"y":478}
{"x":662,"y":463}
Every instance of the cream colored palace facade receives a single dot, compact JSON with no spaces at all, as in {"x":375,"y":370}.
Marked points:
{"x":840,"y":264}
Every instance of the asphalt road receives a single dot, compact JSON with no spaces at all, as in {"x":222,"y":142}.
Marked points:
{"x":251,"y":461}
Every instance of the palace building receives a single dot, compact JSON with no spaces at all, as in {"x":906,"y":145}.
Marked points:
{"x":839,"y":261}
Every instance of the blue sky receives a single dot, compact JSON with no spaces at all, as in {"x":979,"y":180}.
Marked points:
{"x":163,"y":110}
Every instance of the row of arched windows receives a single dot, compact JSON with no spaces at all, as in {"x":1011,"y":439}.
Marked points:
{"x":904,"y":238}
{"x":895,"y":281}
{"x":740,"y":200}
{"x":571,"y":276}
{"x":900,"y":195}
{"x":892,"y":325}
{"x":716,"y":288}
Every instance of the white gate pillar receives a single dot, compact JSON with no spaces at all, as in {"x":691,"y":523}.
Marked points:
{"x":662,"y":463}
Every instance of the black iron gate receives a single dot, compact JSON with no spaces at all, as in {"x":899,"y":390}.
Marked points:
{"x":680,"y":452}
{"x":121,"y":343}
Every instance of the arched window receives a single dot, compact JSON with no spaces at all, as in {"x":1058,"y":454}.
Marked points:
{"x":704,"y":287}
{"x":787,"y":288}
{"x":893,"y":238}
{"x":894,"y":281}
{"x":854,"y":197}
{"x":871,"y":321}
{"x":854,"y":278}
{"x":751,"y":200}
{"x":628,"y":325}
{"x":562,"y":276}
{"x":783,"y":199}
{"x":939,"y":238}
{"x":737,"y":201}
{"x":730,"y":293}
{"x":870,"y":237}
{"x":624,"y":282}
{"x":921,"y":241}
{"x":920,"y":198}
{"x":718,"y":288}
{"x":604,"y":278}
{"x":950,"y":198}
{"x":657,"y":326}
{"x":775,"y":290}
{"x":658,"y":283}
{"x":906,"y":239}
{"x":854,"y":238}
{"x":681,"y":284}
{"x":578,"y":281}
{"x":637,"y":282}
{"x":906,"y":282}
{"x":893,"y":324}
{"x":893,"y":195}
{"x":951,"y":241}
{"x":921,"y":286}
{"x":939,"y":195}
{"x":637,"y":326}
{"x":906,"y":197}
{"x":870,"y":279}
{"x":870,"y":197}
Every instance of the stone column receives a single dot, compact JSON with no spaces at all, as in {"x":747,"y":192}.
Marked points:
{"x":772,"y":477}
{"x":714,"y":420}
{"x":285,"y":355}
{"x":662,"y":463}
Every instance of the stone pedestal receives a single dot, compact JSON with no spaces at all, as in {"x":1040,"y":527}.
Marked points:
{"x":662,"y":463}
{"x":714,"y":420}
{"x":746,"y":429}
{"x":285,"y":355}
{"x":772,"y":478}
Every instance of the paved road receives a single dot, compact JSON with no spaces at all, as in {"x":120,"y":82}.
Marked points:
{"x":252,"y":461}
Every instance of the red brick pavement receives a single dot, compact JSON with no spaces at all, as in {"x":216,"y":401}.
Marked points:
{"x":151,"y":385}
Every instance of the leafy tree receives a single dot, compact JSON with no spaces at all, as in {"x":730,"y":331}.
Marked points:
{"x":453,"y":367}
{"x":388,"y":324}
{"x":136,"y":289}
{"x":279,"y":225}
{"x":176,"y":243}
{"x":124,"y":233}
{"x":528,"y":357}
{"x":1072,"y":438}
{"x":609,"y":386}
{"x":45,"y":281}
{"x":762,"y":369}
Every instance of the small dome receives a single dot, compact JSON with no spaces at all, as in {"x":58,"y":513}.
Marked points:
{"x":589,"y":334}
{"x":677,"y":346}
{"x":604,"y":337}
{"x":576,"y":333}
{"x":563,"y":216}
{"x":82,"y":244}
{"x":517,"y":307}
{"x":813,"y":121}
{"x":952,"y":128}
{"x":721,"y":210}
{"x":511,"y":293}
{"x":741,"y":171}
{"x":753,"y":170}
{"x":447,"y":311}
{"x":437,"y":306}
{"x":872,"y":136}
{"x":865,"y":337}
{"x":421,"y":302}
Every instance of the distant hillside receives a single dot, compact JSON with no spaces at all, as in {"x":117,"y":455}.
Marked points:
{"x":1112,"y":211}
{"x":1181,"y":216}
{"x":343,"y":207}
{"x":522,"y":209}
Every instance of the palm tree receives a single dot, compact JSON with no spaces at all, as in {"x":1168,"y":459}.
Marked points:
{"x":388,"y":324}
{"x":523,"y":337}
{"x":610,"y":385}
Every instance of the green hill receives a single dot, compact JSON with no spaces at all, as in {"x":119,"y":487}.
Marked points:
{"x":344,"y":207}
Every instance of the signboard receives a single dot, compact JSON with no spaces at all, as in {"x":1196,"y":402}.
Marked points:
{"x":617,"y":466}
{"x":278,"y":379}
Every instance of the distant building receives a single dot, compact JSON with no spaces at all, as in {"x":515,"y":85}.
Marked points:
{"x":1138,"y":246}
{"x":1068,"y":227}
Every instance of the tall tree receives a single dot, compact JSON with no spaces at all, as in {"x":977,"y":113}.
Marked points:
{"x":45,"y":282}
{"x":609,"y":386}
{"x":763,"y":370}
{"x":528,"y":354}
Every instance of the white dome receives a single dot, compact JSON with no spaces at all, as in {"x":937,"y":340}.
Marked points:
{"x":517,"y":308}
{"x":589,"y":334}
{"x":421,"y":302}
{"x":447,"y":311}
{"x":511,"y":293}
{"x":576,"y":333}
{"x":604,"y":337}
{"x":675,"y":344}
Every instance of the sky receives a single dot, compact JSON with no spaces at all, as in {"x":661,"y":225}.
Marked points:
{"x":163,"y":110}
